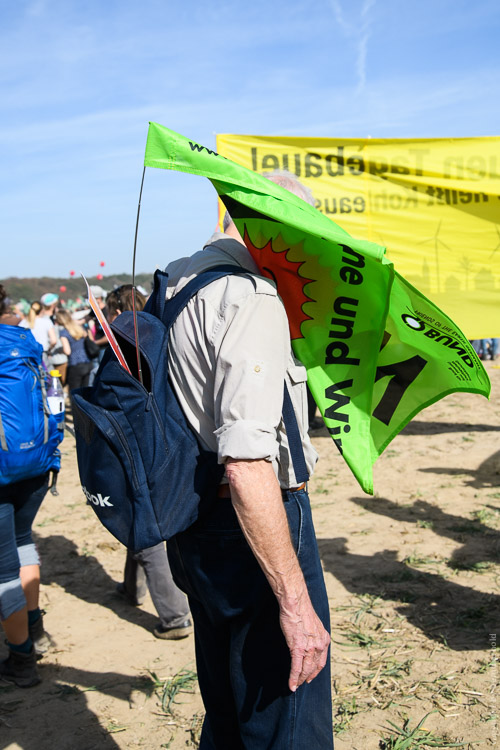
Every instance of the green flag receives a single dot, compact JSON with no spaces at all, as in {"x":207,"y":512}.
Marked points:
{"x":376,"y":350}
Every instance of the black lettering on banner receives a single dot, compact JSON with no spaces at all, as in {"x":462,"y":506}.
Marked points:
{"x":313,"y":165}
{"x":345,"y":206}
{"x":431,"y":333}
{"x":339,"y":399}
{"x":345,"y":328}
{"x":332,"y":412}
{"x":270,"y":161}
{"x":338,"y":158}
{"x":197,"y":147}
{"x":337,"y":353}
{"x":359,"y":204}
{"x":445,"y":340}
{"x":355,"y":259}
{"x":338,"y":163}
{"x":402,"y":375}
{"x":342,"y":304}
{"x":341,"y":205}
{"x":355,"y":165}
{"x":460,"y":350}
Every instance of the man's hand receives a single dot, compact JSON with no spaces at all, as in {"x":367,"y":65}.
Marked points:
{"x":307,"y":640}
{"x":258,"y":503}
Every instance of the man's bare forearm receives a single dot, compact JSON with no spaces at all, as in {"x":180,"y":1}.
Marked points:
{"x":257,"y":500}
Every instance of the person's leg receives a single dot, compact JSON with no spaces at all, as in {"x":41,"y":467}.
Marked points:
{"x":20,"y":665}
{"x":170,"y":603}
{"x":133,"y":588}
{"x":270,"y":716}
{"x":72,"y":377}
{"x":19,"y":562}
{"x":313,"y":709}
{"x":93,"y":371}
{"x":13,"y":609}
{"x":311,"y":406}
{"x":187,"y":552}
{"x":30,"y":579}
{"x":16,"y":627}
{"x":476,"y":345}
{"x":29,"y":497}
{"x":85,"y":374}
{"x":315,"y":423}
{"x":242,"y":657}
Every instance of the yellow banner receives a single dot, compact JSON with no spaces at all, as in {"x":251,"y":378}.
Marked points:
{"x":433,"y":203}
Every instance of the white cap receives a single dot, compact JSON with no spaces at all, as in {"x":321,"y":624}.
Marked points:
{"x":98,"y":292}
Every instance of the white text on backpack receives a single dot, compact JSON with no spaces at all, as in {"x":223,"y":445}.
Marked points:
{"x":97,"y":499}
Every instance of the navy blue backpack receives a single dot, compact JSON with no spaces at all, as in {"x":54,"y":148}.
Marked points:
{"x":29,"y":433}
{"x":141,"y":466}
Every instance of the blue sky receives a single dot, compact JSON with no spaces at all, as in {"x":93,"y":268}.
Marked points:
{"x":79,"y":81}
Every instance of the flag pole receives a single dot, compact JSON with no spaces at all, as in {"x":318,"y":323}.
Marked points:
{"x":134,"y":311}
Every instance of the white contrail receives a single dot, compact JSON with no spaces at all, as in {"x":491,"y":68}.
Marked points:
{"x":360,"y":31}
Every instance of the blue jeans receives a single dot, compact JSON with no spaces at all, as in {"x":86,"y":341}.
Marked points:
{"x":242,"y":657}
{"x":19,"y":504}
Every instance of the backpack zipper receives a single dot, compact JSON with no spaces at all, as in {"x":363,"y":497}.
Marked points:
{"x":121,"y":438}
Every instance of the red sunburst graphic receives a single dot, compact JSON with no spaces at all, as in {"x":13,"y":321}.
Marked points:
{"x":290,"y":284}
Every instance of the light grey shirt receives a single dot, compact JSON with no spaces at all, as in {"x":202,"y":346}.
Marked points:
{"x":229,"y":357}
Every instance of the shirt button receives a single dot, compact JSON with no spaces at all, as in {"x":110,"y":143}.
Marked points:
{"x":256,"y":368}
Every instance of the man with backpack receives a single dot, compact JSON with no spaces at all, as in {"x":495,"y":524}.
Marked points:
{"x":250,"y":564}
{"x":29,"y":436}
{"x":195,"y":432}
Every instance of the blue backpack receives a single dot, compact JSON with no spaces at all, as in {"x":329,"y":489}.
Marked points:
{"x":29,"y":433}
{"x":141,"y":466}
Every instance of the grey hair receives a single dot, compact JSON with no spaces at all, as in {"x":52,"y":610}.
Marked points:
{"x":290,"y":182}
{"x":286,"y":180}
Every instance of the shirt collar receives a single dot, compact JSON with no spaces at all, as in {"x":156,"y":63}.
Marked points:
{"x":234,"y":249}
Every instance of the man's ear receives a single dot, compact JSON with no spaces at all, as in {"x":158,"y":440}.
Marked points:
{"x":233,"y":232}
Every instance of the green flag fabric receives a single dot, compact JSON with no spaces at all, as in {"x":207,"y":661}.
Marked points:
{"x":376,"y":350}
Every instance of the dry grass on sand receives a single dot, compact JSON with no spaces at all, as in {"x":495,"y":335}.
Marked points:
{"x":412,"y":577}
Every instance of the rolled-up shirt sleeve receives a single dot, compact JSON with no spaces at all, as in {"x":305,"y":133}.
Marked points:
{"x":252,"y":346}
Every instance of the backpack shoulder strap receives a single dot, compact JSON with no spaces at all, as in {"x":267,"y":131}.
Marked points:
{"x":157,"y":299}
{"x":294,"y":439}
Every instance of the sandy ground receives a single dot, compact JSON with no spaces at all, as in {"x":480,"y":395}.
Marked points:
{"x":412,"y":576}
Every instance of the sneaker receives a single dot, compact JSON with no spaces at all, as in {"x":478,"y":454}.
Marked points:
{"x":42,"y":641}
{"x":123,"y":594}
{"x":174,"y":633}
{"x":20,"y":669}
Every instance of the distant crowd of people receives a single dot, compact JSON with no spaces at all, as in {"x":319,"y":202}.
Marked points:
{"x":72,"y":345}
{"x":486,"y":348}
{"x":65,"y":336}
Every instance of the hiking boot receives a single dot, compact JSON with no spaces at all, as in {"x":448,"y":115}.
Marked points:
{"x":20,"y":669}
{"x":174,"y":633}
{"x":42,"y":641}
